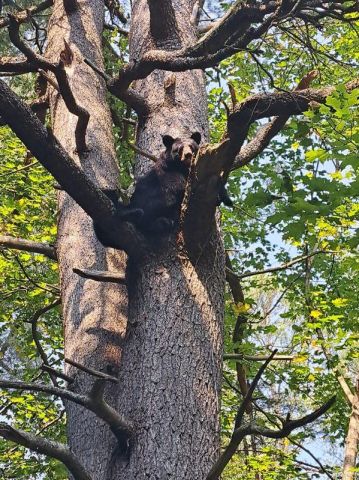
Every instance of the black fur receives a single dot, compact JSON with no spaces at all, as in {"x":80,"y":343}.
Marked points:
{"x":155,"y":204}
{"x":123,"y":214}
{"x":223,"y":196}
{"x":159,"y":193}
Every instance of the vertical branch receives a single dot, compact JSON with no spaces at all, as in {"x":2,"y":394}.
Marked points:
{"x":238,"y":333}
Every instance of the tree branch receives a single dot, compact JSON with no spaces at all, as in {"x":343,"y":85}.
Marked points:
{"x":99,"y":276}
{"x":128,"y":95}
{"x":203,"y":54}
{"x":239,"y":327}
{"x":46,"y":148}
{"x":91,"y":371}
{"x":62,"y":79}
{"x":26,"y":15}
{"x":256,"y":358}
{"x":28,"y":246}
{"x":215,"y":161}
{"x":46,"y":447}
{"x":252,"y":429}
{"x":93,"y":402}
{"x":17,"y":65}
{"x":33,"y":321}
{"x":275,"y":104}
{"x":284,"y":266}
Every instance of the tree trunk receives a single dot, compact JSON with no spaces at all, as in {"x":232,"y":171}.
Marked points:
{"x":170,"y":371}
{"x":351,"y":443}
{"x":171,"y":367}
{"x":94,"y":313}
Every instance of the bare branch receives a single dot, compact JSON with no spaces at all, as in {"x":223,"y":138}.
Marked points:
{"x":18,"y":65}
{"x":120,"y":428}
{"x":265,"y":134}
{"x":203,"y":54}
{"x":308,"y":452}
{"x":260,"y":141}
{"x":142,"y":152}
{"x":62,"y":80}
{"x":274,"y":104}
{"x":112,"y":277}
{"x":91,"y":371}
{"x":33,"y":321}
{"x":28,"y":246}
{"x":286,"y":265}
{"x":239,"y":327}
{"x":252,"y":429}
{"x":256,"y":358}
{"x":214,"y":162}
{"x":128,"y":95}
{"x":46,"y":447}
{"x":248,"y":398}
{"x":53,"y":371}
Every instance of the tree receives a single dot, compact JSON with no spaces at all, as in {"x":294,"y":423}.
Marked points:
{"x":149,"y":333}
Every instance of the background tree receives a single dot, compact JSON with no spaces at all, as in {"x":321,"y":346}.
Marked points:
{"x":154,"y":345}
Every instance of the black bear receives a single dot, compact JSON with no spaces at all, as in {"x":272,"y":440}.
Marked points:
{"x":159,"y":193}
{"x":155,"y":204}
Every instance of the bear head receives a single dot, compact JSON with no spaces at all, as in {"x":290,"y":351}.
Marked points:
{"x":181,"y":151}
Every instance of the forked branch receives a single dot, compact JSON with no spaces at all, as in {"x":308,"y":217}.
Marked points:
{"x":94,"y":402}
{"x":26,"y":15}
{"x":62,"y":80}
{"x":241,"y":429}
{"x":46,"y":447}
{"x":214,"y":162}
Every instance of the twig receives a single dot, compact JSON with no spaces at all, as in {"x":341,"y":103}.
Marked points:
{"x":251,"y":429}
{"x":91,"y":371}
{"x":141,"y":152}
{"x":56,"y":373}
{"x":33,"y":321}
{"x":308,"y":452}
{"x":255,"y":358}
{"x":286,"y":265}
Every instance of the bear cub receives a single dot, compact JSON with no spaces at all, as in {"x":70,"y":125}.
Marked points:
{"x":155,"y":205}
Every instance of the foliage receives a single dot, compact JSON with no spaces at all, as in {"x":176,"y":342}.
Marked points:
{"x":299,"y":196}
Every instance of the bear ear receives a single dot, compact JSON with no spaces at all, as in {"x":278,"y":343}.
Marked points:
{"x":196,"y":136}
{"x":168,"y":141}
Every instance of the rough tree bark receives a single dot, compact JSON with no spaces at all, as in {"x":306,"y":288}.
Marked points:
{"x":351,"y":446}
{"x":171,"y":366}
{"x":352,"y":438}
{"x":94,"y":313}
{"x":162,"y":335}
